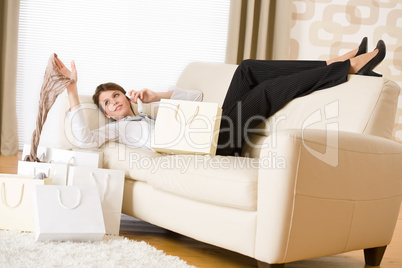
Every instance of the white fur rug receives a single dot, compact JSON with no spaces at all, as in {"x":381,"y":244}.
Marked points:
{"x":20,"y":250}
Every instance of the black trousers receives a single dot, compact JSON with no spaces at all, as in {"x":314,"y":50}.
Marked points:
{"x":259,"y":88}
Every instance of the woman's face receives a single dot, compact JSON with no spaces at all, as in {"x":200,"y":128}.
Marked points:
{"x":115,"y":104}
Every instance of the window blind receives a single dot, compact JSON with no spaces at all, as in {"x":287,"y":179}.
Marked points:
{"x":134,"y":43}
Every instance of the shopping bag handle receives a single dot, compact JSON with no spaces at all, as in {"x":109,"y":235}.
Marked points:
{"x":107,"y":178}
{"x":4,"y":199}
{"x":197,"y":110}
{"x":72,"y":158}
{"x":42,"y":156}
{"x":64,"y":206}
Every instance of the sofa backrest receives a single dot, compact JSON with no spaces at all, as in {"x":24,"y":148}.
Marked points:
{"x":363,"y":105}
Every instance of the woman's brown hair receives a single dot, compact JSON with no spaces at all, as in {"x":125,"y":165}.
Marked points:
{"x":103,"y":87}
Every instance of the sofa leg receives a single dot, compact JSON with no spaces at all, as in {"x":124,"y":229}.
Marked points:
{"x":373,"y":256}
{"x":267,"y":265}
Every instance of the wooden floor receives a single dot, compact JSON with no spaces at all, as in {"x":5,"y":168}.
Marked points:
{"x":203,"y":255}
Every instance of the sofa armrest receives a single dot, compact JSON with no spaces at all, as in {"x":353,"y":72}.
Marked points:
{"x":326,"y":192}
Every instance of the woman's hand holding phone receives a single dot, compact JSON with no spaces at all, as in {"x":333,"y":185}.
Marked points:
{"x":145,"y":95}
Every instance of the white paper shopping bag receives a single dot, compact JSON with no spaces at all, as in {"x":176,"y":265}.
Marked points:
{"x":71,"y":157}
{"x":110,"y":185}
{"x":186,"y":127}
{"x":58,"y":172}
{"x":68,"y":213}
{"x":16,"y":208}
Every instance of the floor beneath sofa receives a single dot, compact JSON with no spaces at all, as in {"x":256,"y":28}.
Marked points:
{"x":207,"y":256}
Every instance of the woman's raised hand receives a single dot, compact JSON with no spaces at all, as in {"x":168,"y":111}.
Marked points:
{"x":64,"y":71}
{"x":72,"y":90}
{"x":146,"y":95}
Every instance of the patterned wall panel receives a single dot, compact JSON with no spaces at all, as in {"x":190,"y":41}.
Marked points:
{"x":323,"y":29}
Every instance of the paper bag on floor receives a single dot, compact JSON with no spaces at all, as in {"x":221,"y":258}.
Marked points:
{"x":110,"y":185}
{"x":16,"y":208}
{"x":68,"y":213}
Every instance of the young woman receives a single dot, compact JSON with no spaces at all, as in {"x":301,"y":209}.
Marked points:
{"x":259,"y":88}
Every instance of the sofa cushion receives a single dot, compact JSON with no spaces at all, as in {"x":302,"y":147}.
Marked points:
{"x":136,"y":162}
{"x":227,"y":181}
{"x":221,"y":180}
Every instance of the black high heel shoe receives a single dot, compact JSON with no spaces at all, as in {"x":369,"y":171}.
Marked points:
{"x":368,"y":68}
{"x":362,"y":47}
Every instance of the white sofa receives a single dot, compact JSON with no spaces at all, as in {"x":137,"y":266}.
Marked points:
{"x":323,"y":176}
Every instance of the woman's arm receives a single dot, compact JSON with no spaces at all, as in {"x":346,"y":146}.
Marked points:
{"x":186,"y":94}
{"x":72,"y":93}
{"x":84,"y":137}
{"x":147,"y":95}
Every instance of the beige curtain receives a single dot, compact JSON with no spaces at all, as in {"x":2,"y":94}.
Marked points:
{"x":9,"y":12}
{"x":259,"y":29}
